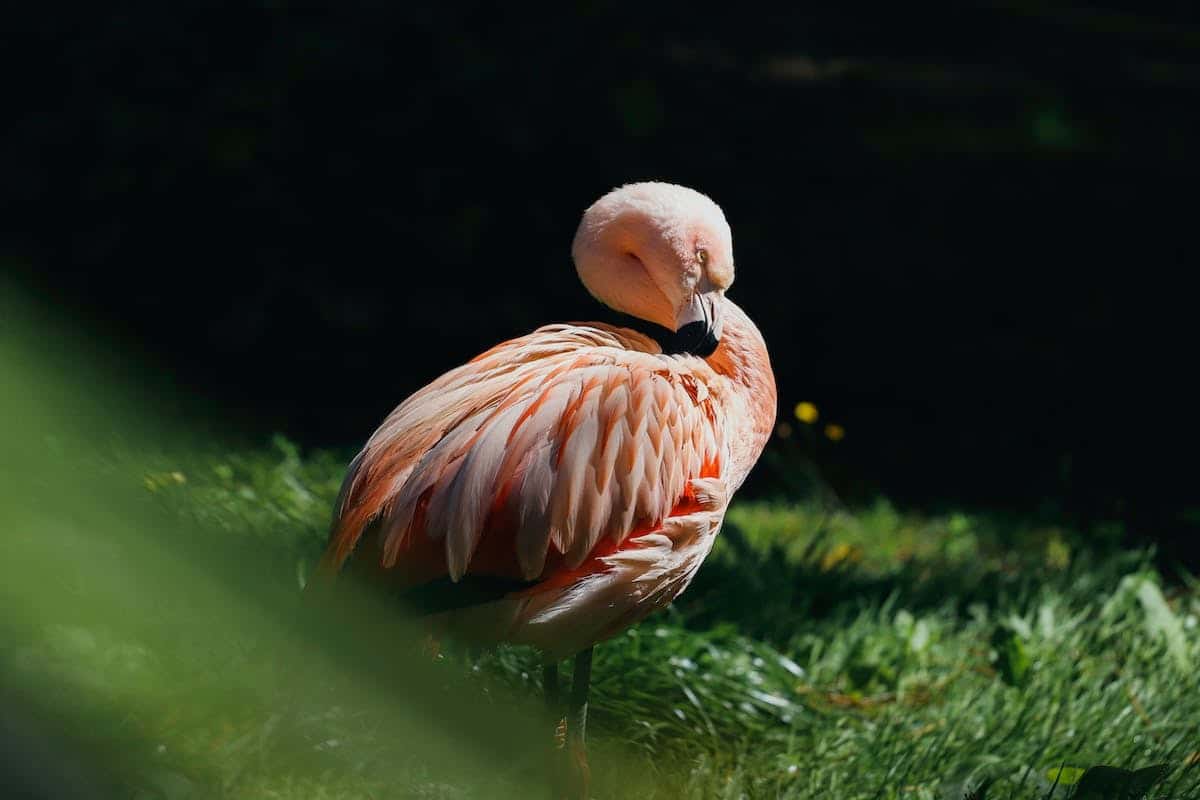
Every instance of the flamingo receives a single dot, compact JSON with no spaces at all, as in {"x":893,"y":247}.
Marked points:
{"x":562,"y":485}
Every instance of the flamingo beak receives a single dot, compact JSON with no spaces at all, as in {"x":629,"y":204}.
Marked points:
{"x":698,"y":325}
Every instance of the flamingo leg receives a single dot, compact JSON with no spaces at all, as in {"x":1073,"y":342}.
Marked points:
{"x":554,"y":709}
{"x":550,"y":684}
{"x":577,"y":724}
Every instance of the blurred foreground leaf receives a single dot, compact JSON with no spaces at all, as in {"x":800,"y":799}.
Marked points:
{"x":162,"y":655}
{"x":1113,"y":783}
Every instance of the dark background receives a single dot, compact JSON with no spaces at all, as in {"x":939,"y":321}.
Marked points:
{"x":966,"y":235}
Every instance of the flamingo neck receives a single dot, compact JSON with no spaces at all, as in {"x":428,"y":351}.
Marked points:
{"x":742,"y":359}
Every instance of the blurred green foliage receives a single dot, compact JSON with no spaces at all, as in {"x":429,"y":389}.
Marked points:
{"x":164,"y":649}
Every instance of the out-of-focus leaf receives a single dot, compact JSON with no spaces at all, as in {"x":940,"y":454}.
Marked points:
{"x":1064,"y":776}
{"x":1114,"y":783}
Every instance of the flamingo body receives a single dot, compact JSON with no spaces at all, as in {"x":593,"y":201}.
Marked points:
{"x":580,"y":466}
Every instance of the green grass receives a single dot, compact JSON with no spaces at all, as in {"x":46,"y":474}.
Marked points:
{"x":155,"y":643}
{"x":851,"y":654}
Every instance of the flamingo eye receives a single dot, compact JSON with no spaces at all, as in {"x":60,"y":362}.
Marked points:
{"x":702,"y":256}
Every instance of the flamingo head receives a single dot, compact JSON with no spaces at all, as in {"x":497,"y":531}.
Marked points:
{"x":661,"y":253}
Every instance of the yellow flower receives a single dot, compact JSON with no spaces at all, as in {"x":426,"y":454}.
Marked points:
{"x":835,"y":432}
{"x":840,"y":554}
{"x":806,"y":412}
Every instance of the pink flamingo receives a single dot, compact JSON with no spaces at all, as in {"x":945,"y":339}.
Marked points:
{"x":562,"y":485}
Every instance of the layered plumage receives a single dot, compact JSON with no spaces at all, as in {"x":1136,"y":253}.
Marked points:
{"x":579,"y":466}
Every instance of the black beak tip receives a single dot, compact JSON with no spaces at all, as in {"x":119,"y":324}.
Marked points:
{"x":696,"y":338}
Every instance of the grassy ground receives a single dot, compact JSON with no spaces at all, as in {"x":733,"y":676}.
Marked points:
{"x":819,"y":654}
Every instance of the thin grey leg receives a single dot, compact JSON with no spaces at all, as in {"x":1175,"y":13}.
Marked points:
{"x":550,"y":685}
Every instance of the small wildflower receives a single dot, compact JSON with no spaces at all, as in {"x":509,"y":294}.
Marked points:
{"x":783,"y":430}
{"x":840,"y":554}
{"x":835,"y":432}
{"x":806,"y":412}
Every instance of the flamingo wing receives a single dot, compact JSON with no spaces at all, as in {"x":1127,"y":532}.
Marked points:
{"x":522,"y":461}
